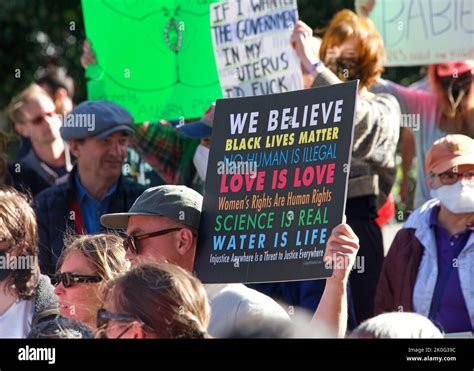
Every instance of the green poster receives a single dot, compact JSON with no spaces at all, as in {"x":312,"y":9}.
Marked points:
{"x":154,"y":57}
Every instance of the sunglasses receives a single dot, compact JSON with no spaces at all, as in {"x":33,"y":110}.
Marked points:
{"x":70,"y":279}
{"x":103,"y":318}
{"x":39,"y":119}
{"x":131,"y":242}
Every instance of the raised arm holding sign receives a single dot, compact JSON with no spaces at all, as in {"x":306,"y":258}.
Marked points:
{"x":351,"y":49}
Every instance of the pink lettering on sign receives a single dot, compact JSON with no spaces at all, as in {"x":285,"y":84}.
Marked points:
{"x":311,"y":175}
{"x":237,"y":182}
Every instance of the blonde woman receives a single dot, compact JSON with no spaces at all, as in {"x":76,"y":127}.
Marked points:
{"x":86,"y":264}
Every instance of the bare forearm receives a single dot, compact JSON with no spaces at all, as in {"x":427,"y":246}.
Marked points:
{"x":407,"y":149}
{"x":332,"y":309}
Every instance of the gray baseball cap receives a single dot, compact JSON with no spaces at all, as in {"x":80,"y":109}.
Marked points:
{"x":97,"y":119}
{"x":176,"y":202}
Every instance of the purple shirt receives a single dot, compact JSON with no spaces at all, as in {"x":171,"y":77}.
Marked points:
{"x":452,"y":315}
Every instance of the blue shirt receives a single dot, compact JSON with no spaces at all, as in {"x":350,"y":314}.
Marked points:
{"x":91,"y":209}
{"x":452,"y":315}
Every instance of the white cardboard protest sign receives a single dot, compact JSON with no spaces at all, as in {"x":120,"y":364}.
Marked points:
{"x":252,"y":46}
{"x":417,"y":32}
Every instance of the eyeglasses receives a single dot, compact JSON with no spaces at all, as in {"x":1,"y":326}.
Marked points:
{"x":449,"y":177}
{"x":70,"y":279}
{"x":103,"y":318}
{"x":131,"y":242}
{"x":39,"y":119}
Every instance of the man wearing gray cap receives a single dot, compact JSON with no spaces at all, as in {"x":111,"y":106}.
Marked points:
{"x":97,"y":134}
{"x":163,"y":224}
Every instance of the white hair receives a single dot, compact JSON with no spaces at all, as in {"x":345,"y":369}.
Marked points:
{"x":397,"y":325}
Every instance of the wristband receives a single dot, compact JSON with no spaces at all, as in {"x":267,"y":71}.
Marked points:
{"x":313,"y":67}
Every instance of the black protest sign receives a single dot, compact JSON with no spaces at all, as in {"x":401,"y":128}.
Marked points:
{"x":276,"y":185}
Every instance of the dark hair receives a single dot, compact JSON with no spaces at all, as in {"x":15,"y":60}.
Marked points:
{"x":19,"y":221}
{"x":3,"y":160}
{"x":168,"y":300}
{"x":60,"y":328}
{"x":55,"y":77}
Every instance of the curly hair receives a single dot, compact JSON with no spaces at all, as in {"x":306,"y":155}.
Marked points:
{"x":345,"y":24}
{"x":18,"y":224}
{"x":168,"y":300}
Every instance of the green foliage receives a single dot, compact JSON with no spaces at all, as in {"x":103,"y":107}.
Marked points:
{"x":318,"y":13}
{"x":34,"y":34}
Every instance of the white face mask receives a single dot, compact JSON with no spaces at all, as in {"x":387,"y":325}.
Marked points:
{"x":457,"y":198}
{"x":201,"y":157}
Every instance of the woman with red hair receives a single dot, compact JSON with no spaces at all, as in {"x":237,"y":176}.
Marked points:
{"x":351,"y":49}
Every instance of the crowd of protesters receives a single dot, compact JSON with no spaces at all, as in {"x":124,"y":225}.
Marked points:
{"x":110,"y":253}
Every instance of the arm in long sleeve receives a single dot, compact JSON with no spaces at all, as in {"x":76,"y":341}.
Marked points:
{"x":377,"y":123}
{"x":169,"y":152}
{"x":384,"y":296}
{"x":408,"y":152}
{"x":411,"y":101}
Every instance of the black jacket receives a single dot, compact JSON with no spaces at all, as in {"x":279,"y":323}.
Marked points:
{"x":27,"y":180}
{"x":52,"y":207}
{"x":31,"y":175}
